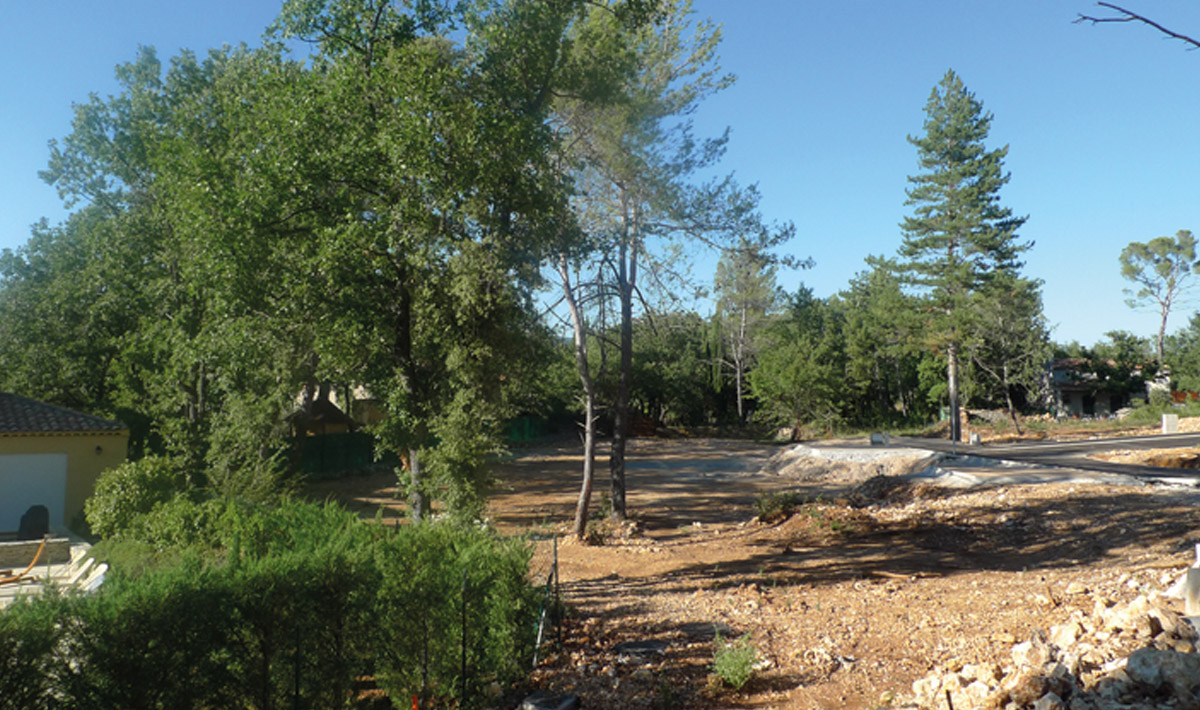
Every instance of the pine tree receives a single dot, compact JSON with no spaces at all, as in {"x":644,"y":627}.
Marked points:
{"x":745,"y":285}
{"x":958,"y":237}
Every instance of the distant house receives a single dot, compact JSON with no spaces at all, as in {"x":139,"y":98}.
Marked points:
{"x":1085,"y":387}
{"x":52,"y":456}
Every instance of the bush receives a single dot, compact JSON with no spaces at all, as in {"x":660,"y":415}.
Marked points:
{"x":1152,"y":414}
{"x":770,"y":507}
{"x":29,"y":662}
{"x":131,"y":490}
{"x":733,"y":661}
{"x":420,"y":609}
{"x":156,"y":641}
{"x":261,"y":606}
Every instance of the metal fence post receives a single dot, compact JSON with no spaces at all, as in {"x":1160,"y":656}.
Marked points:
{"x":463,"y":697}
{"x":558,"y":610}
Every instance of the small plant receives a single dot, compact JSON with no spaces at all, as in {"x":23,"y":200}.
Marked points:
{"x":604,"y":509}
{"x":668,"y":697}
{"x":770,"y":507}
{"x":597,"y":531}
{"x":733,"y":661}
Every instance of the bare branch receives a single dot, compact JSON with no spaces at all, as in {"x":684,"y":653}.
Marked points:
{"x":1127,"y":16}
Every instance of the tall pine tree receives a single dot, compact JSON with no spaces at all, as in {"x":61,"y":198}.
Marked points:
{"x":958,"y":237}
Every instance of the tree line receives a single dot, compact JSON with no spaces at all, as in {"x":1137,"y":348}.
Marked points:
{"x":476,"y":211}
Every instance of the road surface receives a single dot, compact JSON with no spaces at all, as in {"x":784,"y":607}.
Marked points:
{"x":1073,"y":454}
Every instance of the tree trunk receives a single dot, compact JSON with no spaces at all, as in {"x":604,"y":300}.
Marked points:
{"x":1012,"y":410}
{"x":579,"y":529}
{"x":403,"y":354}
{"x":626,"y":278}
{"x":1162,"y":336}
{"x":952,"y":382}
{"x":589,"y":393}
{"x":739,"y":366}
{"x":417,"y":500}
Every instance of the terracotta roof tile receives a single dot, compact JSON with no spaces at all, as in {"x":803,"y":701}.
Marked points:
{"x":19,"y":415}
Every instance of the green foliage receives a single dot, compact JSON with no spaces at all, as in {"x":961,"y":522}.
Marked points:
{"x":131,"y":490}
{"x":773,"y":506}
{"x":1009,"y":342}
{"x":233,"y":248}
{"x":1183,"y":355}
{"x":31,"y":664}
{"x":958,"y":236}
{"x":881,"y":330}
{"x":1161,"y":269}
{"x":733,"y":661}
{"x":1159,"y":398}
{"x":1151,"y":412}
{"x":745,"y":284}
{"x":429,"y":569}
{"x":670,"y":369}
{"x":1118,"y":366}
{"x":959,"y":239}
{"x":800,"y":374}
{"x":277,"y":605}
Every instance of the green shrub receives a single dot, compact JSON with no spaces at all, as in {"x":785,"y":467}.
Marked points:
{"x":733,"y":661}
{"x":1159,"y":398}
{"x":420,"y":608}
{"x":1152,"y":414}
{"x":29,"y":660}
{"x":772,"y":506}
{"x":131,"y":490}
{"x":248,"y":605}
{"x":159,"y":640}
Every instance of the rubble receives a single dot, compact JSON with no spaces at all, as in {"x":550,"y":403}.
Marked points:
{"x":1135,"y":655}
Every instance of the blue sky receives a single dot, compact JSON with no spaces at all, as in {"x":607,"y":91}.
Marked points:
{"x":1100,"y":120}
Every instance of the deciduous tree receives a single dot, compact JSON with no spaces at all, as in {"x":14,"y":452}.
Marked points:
{"x":1162,"y":270}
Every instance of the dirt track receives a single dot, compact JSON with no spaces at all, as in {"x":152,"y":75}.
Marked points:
{"x":848,"y":604}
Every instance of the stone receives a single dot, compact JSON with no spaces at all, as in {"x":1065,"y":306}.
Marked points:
{"x":1076,"y":588}
{"x":973,"y":695}
{"x":983,"y":672}
{"x":1049,"y":701}
{"x":1026,"y":687}
{"x":1034,"y":653}
{"x":1065,"y":635}
{"x":926,"y":689}
{"x":707,"y":631}
{"x":1145,"y":666}
{"x":642,"y":651}
{"x":545,"y":700}
{"x":1180,"y":672}
{"x":1168,"y":620}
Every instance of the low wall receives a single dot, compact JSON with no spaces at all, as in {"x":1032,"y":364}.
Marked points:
{"x":18,"y":554}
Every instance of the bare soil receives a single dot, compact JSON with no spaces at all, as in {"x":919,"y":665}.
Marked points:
{"x":849,"y":598}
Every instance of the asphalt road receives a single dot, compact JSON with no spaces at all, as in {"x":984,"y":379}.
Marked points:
{"x":1072,"y":454}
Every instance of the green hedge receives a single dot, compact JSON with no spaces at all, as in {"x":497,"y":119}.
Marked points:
{"x":282,"y":607}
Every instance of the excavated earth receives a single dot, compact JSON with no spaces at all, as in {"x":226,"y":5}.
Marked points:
{"x":867,"y":583}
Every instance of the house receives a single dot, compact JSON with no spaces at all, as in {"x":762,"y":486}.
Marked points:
{"x":52,"y":456}
{"x":1092,"y":387}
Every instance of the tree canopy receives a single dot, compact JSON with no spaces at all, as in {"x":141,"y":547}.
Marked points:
{"x":959,"y":237}
{"x":1162,"y":270}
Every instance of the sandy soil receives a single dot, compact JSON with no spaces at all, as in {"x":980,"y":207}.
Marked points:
{"x":850,"y":598}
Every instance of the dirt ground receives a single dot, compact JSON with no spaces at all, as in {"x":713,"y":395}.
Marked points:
{"x":849,"y":598}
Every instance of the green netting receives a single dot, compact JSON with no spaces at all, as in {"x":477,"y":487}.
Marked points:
{"x":333,"y":455}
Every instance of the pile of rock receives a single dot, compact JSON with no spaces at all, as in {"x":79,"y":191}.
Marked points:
{"x":1135,"y":655}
